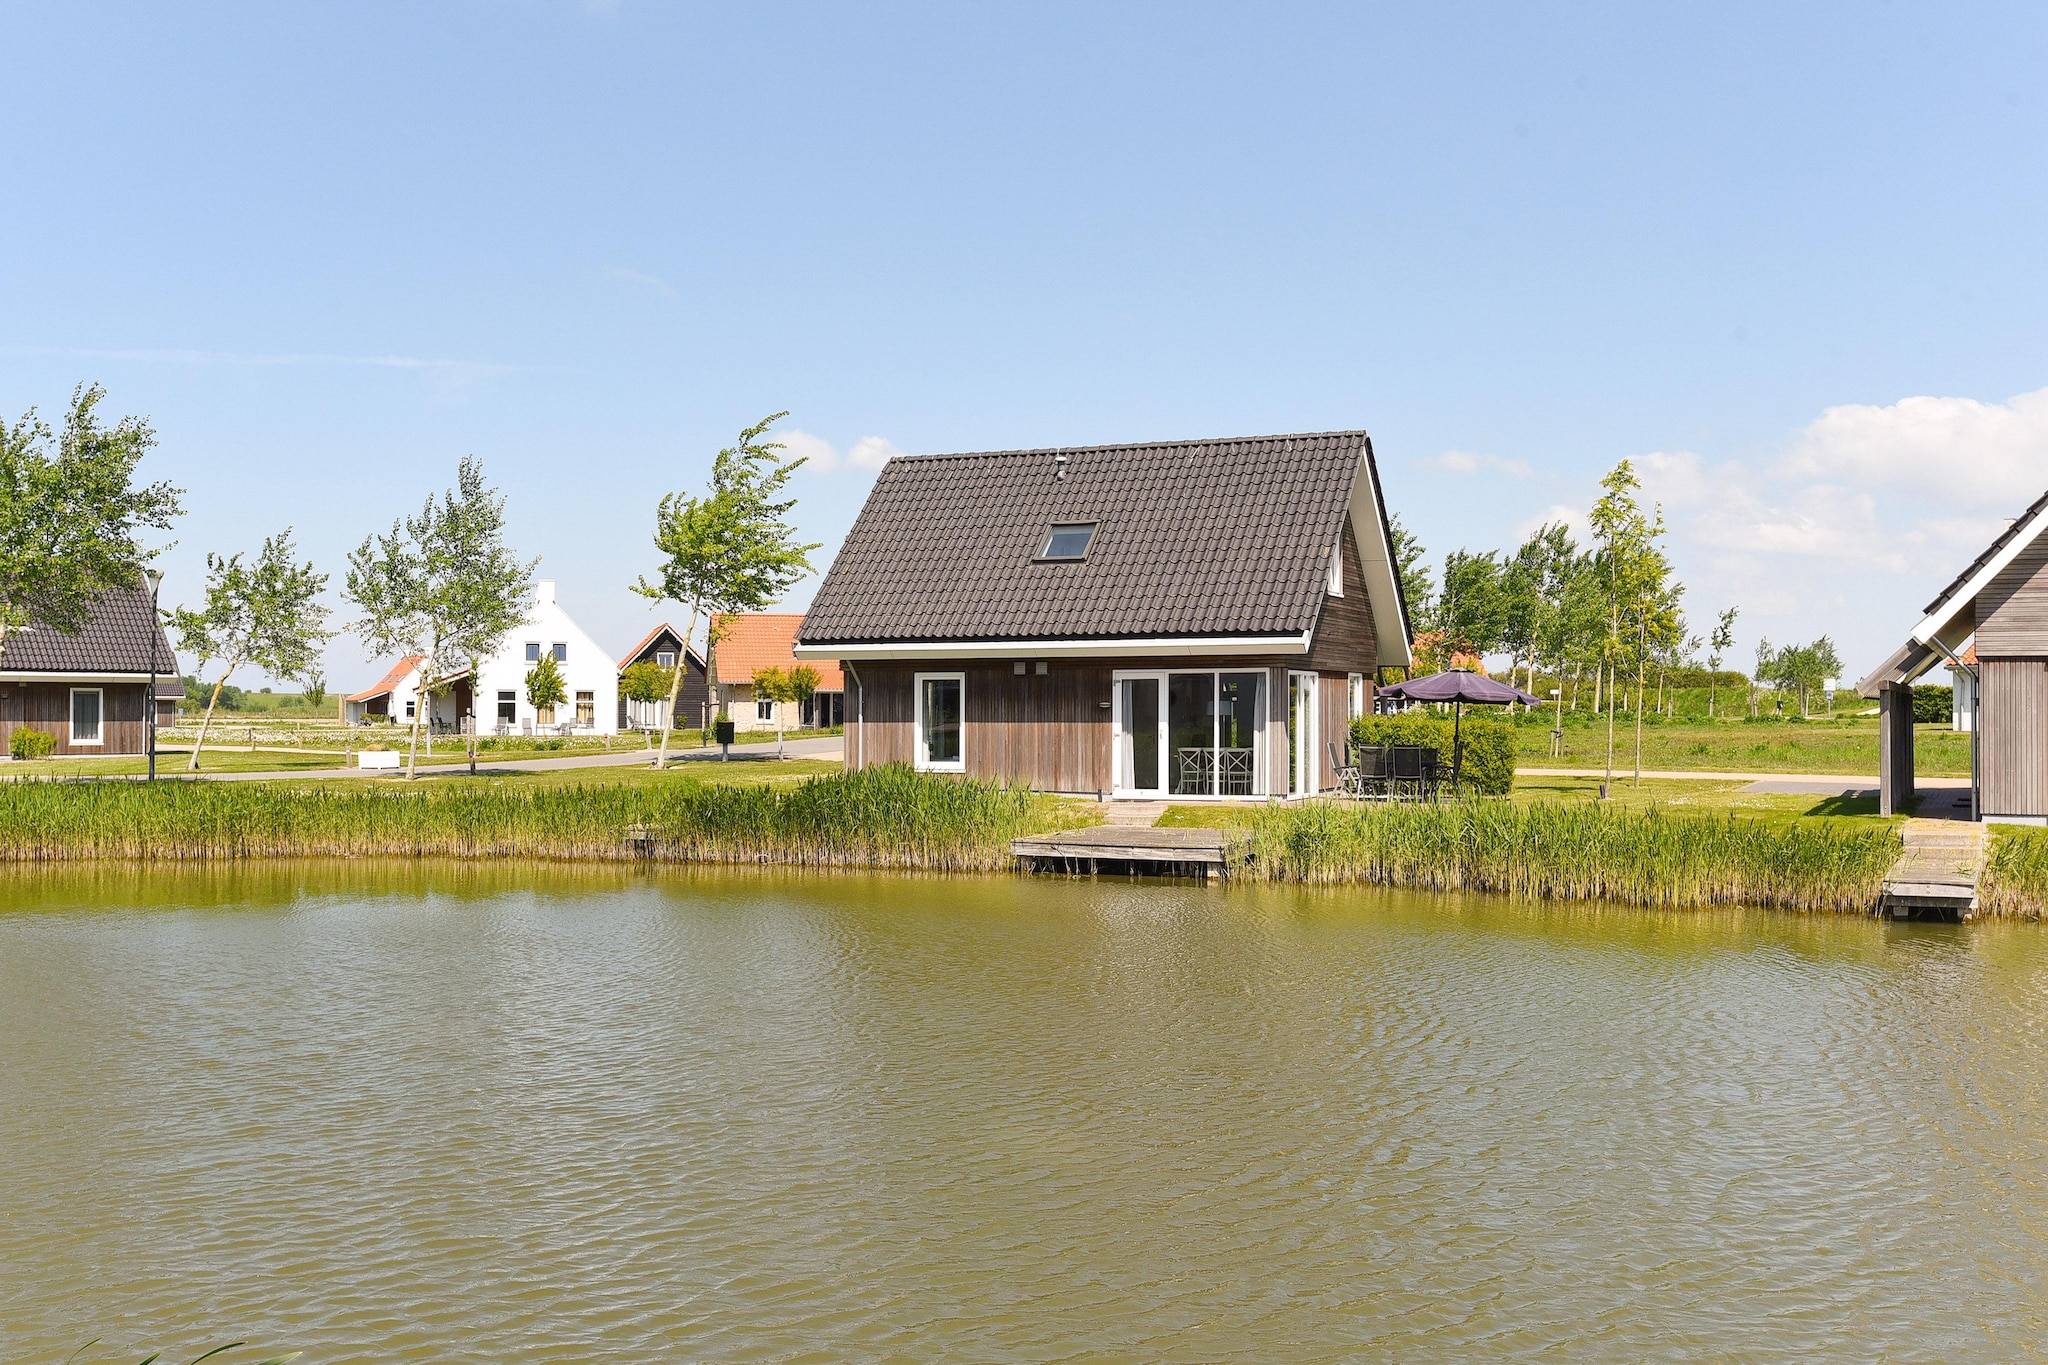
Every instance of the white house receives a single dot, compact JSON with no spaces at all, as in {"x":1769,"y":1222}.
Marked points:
{"x":498,"y":695}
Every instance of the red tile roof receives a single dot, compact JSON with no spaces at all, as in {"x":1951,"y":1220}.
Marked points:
{"x":762,"y":640}
{"x":391,"y":679}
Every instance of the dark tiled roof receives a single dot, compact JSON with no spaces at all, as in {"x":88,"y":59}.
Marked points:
{"x":1195,"y":538}
{"x":116,"y":640}
{"x":1990,"y":552}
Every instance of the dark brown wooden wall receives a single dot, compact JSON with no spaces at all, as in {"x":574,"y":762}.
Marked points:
{"x":1051,"y":731}
{"x":124,"y":723}
{"x":1345,"y":640}
{"x":2012,"y":742}
{"x":2012,"y":613}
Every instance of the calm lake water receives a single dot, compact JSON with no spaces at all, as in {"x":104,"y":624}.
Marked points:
{"x":513,"y":1114}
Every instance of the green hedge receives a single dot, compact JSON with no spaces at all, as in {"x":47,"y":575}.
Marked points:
{"x":1933,"y":705}
{"x":33,"y":744}
{"x":1489,"y":764}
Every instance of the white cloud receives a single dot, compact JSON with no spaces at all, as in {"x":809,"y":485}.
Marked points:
{"x":1958,"y":450}
{"x":1574,"y":519}
{"x":817,"y":453}
{"x":640,"y":279}
{"x":871,"y":452}
{"x":821,"y":457}
{"x":1464,"y":462}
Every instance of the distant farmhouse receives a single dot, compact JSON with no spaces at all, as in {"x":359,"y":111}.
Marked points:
{"x":89,"y":690}
{"x":497,"y":696}
{"x":1194,"y":619}
{"x":2001,"y":600}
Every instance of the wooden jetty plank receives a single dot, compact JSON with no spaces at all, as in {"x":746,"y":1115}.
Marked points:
{"x":1938,"y":871}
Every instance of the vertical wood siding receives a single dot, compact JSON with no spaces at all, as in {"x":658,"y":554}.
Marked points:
{"x":1346,"y":640}
{"x":2013,"y":745}
{"x":2012,"y":613}
{"x":124,"y":724}
{"x":1051,"y":731}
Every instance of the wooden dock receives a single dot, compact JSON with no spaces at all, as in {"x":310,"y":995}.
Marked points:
{"x":1936,"y":877}
{"x":1127,"y":851}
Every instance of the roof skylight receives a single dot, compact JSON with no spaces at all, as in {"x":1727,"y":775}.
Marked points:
{"x":1068,"y":540}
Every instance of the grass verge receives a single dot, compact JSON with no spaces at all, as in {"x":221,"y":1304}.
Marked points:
{"x":882,"y":817}
{"x":2015,"y":873}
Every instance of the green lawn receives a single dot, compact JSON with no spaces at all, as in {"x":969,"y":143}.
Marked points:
{"x":1840,"y":746}
{"x":760,"y":771}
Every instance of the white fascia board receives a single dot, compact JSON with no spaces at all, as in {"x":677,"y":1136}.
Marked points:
{"x":1169,"y":648}
{"x":1376,"y":553}
{"x":1941,"y":621}
{"x":24,"y":675}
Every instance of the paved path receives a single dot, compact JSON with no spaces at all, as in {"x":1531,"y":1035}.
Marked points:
{"x":1822,"y":781}
{"x":826,"y":747}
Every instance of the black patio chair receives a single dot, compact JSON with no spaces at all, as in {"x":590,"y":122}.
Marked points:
{"x":1348,"y":781}
{"x":1375,"y":772}
{"x":1407,"y":770}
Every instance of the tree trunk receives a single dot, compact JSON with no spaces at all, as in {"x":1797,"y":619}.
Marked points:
{"x":1639,"y":725}
{"x":675,"y":687}
{"x":1607,"y":783}
{"x":207,"y":723}
{"x":419,"y":704}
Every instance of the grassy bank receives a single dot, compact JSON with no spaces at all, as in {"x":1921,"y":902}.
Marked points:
{"x":2015,"y":873}
{"x":884,"y":817}
{"x":1845,"y":745}
{"x":1579,"y":852}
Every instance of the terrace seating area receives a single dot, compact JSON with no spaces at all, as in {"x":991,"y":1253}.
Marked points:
{"x":1388,"y":772}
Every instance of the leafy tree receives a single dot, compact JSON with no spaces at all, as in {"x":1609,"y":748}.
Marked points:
{"x":1718,"y":645}
{"x":1636,"y":594}
{"x":268,"y":614}
{"x":545,"y":687}
{"x":1412,"y":568}
{"x":69,"y":514}
{"x":314,"y":688}
{"x":443,"y":586}
{"x":732,"y":550}
{"x":1473,"y":607}
{"x":647,"y":682}
{"x":791,"y":686}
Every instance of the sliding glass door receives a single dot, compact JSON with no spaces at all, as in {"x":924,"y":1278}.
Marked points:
{"x":1205,"y":740}
{"x":1301,"y":734}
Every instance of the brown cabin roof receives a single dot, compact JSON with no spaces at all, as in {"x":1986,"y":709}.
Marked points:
{"x":1194,"y":538}
{"x":645,"y":651}
{"x":118,"y":638}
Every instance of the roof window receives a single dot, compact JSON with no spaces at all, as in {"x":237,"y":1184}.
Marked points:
{"x":1068,"y":540}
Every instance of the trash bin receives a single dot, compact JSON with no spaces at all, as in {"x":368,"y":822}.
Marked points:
{"x":721,"y":731}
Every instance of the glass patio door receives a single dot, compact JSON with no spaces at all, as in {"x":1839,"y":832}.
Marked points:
{"x":1189,"y":734}
{"x":1140,"y":733}
{"x":1301,"y":734}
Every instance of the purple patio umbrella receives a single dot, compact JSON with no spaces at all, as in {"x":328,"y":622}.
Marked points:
{"x":1460,"y":685}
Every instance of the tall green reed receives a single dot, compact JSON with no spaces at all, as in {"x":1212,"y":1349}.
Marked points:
{"x":1578,"y":852}
{"x":882,"y":817}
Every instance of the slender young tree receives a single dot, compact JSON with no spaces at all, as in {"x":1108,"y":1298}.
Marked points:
{"x":1411,"y":567}
{"x":268,"y":614}
{"x":646,"y":682}
{"x":786,"y":687}
{"x":1719,"y":643}
{"x":545,"y":686}
{"x":1631,"y":570}
{"x":443,"y":586}
{"x":69,"y":514}
{"x":731,"y":550}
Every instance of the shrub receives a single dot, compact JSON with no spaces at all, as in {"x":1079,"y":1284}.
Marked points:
{"x":1489,"y":764}
{"x":33,"y":744}
{"x":1933,"y":705}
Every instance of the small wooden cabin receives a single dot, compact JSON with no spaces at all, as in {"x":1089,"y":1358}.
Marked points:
{"x":90,"y":691}
{"x":662,"y":647}
{"x":1188,"y":620}
{"x":2001,"y":601}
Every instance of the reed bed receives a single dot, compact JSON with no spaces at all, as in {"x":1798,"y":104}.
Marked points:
{"x":1579,"y":852}
{"x":2015,"y":873}
{"x":882,"y":817}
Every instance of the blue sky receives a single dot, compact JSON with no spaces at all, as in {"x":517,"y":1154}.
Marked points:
{"x":1789,"y":258}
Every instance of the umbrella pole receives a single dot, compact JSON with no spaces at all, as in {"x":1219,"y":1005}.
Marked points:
{"x":1457,"y":745}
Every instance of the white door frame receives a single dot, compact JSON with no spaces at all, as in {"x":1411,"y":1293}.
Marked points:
{"x":1262,"y":734}
{"x":1118,"y":677}
{"x":1303,"y":721}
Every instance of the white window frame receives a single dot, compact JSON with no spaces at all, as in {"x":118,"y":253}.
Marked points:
{"x":533,"y":651}
{"x":560,"y":650}
{"x":665,"y":658}
{"x":1354,"y":691}
{"x":1305,"y":773}
{"x":99,"y":738}
{"x":920,"y":760}
{"x":1337,"y":570}
{"x":1261,"y":735}
{"x":764,"y":708}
